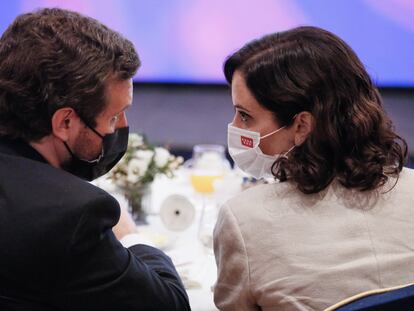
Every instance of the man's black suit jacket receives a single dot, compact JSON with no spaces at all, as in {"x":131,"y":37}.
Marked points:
{"x":57,"y":248}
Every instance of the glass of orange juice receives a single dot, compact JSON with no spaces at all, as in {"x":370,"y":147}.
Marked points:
{"x":208,"y":164}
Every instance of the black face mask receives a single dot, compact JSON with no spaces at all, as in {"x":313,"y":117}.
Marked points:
{"x":114,"y":147}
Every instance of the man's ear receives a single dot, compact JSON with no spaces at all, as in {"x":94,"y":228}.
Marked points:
{"x":63,"y":120}
{"x":303,"y":124}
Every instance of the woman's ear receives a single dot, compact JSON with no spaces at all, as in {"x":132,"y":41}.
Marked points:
{"x":63,"y":120}
{"x":303,"y":124}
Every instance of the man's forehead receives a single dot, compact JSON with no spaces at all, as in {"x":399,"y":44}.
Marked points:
{"x":119,"y":95}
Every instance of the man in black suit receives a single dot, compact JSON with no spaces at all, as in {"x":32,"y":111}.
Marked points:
{"x":65,"y":82}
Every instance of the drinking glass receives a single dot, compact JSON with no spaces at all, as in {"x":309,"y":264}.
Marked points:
{"x":208,"y":164}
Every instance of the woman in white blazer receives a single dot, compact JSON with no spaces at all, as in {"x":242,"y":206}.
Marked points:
{"x":338,"y":220}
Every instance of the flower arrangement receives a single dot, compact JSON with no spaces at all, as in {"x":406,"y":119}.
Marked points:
{"x":139,"y":166}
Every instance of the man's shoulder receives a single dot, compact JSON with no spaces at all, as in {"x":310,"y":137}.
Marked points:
{"x":34,"y":178}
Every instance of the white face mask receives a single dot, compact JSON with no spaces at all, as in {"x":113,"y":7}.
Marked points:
{"x":245,"y":151}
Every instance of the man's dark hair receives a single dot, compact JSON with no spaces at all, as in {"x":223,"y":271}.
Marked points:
{"x":55,"y":58}
{"x":311,"y":69}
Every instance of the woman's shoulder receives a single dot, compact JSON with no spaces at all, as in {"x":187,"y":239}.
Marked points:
{"x":250,"y":195}
{"x":405,"y":179}
{"x":254,"y":199}
{"x":407,"y":173}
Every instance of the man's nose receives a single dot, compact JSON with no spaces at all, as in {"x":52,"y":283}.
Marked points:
{"x":122,"y":121}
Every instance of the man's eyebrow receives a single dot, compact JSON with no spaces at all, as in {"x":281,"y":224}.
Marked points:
{"x":124,"y":108}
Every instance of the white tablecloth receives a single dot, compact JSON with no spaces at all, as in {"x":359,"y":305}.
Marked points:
{"x":194,"y":262}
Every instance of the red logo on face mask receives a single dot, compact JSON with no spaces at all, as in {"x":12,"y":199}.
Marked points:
{"x":246,"y":141}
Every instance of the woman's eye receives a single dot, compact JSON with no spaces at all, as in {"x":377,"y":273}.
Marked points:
{"x":243,"y":116}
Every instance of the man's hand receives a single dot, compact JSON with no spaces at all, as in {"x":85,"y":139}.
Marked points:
{"x":125,"y":225}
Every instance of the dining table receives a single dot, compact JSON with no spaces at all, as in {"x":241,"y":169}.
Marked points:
{"x":179,"y":236}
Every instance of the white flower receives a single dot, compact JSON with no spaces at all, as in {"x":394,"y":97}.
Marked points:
{"x":162,"y":156}
{"x":133,"y":169}
{"x":135,"y":140}
{"x":138,"y":165}
{"x":122,"y":166}
{"x":144,"y":155}
{"x":137,"y":168}
{"x":132,"y":177}
{"x":175,"y":162}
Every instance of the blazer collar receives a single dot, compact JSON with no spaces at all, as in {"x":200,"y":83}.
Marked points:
{"x":19,"y":147}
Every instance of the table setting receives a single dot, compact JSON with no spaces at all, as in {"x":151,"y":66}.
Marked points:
{"x":178,"y":208}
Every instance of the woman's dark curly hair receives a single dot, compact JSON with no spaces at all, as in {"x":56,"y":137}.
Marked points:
{"x":56,"y":58}
{"x":310,"y":69}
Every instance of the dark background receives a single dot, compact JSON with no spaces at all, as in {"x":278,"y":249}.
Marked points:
{"x":181,"y":115}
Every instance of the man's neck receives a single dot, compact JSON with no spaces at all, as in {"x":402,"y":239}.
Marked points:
{"x":48,"y":149}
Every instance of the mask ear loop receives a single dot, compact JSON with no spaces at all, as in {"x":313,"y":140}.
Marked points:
{"x":274,"y":132}
{"x":100,"y":135}
{"x":284,"y":155}
{"x":88,"y":126}
{"x":279,"y":129}
{"x":93,"y":130}
{"x":97,"y":133}
{"x":76,"y":157}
